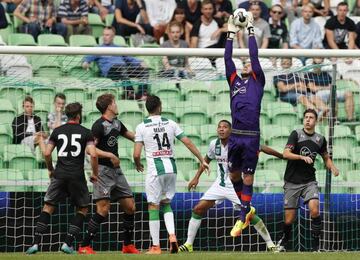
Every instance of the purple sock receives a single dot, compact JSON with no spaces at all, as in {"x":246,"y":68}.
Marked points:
{"x":245,"y":199}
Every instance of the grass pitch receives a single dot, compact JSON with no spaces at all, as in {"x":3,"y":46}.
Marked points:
{"x":188,"y":256}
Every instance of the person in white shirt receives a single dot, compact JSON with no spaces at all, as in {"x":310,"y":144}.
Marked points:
{"x":157,"y":135}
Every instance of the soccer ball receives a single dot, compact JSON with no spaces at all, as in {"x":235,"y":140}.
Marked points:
{"x":241,"y":17}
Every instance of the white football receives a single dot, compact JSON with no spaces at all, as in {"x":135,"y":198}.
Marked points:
{"x":240,"y":17}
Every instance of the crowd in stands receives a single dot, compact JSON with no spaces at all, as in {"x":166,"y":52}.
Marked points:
{"x":282,"y":25}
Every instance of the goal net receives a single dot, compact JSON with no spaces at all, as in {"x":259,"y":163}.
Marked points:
{"x":197,"y":97}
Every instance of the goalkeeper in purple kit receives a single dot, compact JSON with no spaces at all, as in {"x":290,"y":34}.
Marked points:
{"x":246,"y":92}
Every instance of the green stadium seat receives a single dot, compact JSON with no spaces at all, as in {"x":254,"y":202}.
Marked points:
{"x":355,"y":156}
{"x":193,"y":133}
{"x":130,"y":113}
{"x":20,"y":157}
{"x":118,"y":40}
{"x":96,"y":24}
{"x":78,"y":40}
{"x":5,"y":136}
{"x":219,"y":86}
{"x":275,"y":135}
{"x":109,"y":20}
{"x":208,"y":132}
{"x":105,"y":90}
{"x":166,"y":91}
{"x":168,"y":111}
{"x":342,"y":159}
{"x":134,"y":177}
{"x":197,"y":90}
{"x":269,"y":181}
{"x":39,"y":178}
{"x":13,"y":93}
{"x":282,"y":113}
{"x":94,"y":83}
{"x":46,"y":66}
{"x":193,"y":114}
{"x":17,"y":23}
{"x":51,"y":40}
{"x":21,"y":39}
{"x":153,"y":63}
{"x":62,"y":83}
{"x":72,"y":66}
{"x":43,"y":95}
{"x":357,"y":133}
{"x":7,"y":111}
{"x":42,"y":111}
{"x":92,"y":116}
{"x":5,"y":32}
{"x":16,"y":178}
{"x":75,"y":94}
{"x":343,"y":136}
{"x":273,"y":163}
{"x":185,"y":162}
{"x":269,"y":93}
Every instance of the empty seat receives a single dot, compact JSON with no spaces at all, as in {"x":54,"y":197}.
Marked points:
{"x":20,"y":157}
{"x":193,"y":114}
{"x":21,"y":39}
{"x":343,"y":137}
{"x":118,"y":40}
{"x":7,"y":111}
{"x":202,"y":68}
{"x":13,"y":93}
{"x":166,"y":91}
{"x":197,"y":91}
{"x":82,"y":41}
{"x":96,"y":24}
{"x":15,"y":66}
{"x":208,"y":132}
{"x":109,"y":19}
{"x":5,"y":136}
{"x":282,"y":113}
{"x":51,"y":40}
{"x":15,"y":179}
{"x":275,"y":135}
{"x":44,"y":95}
{"x":193,"y":133}
{"x":130,"y":113}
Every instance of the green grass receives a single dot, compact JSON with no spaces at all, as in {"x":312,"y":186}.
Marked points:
{"x":189,"y":256}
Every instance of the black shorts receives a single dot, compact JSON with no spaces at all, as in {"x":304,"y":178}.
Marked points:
{"x":75,"y":189}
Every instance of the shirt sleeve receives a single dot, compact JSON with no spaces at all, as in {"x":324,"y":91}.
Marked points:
{"x":123,"y":129}
{"x":196,"y":28}
{"x":330,"y":24}
{"x":97,"y":130}
{"x":179,"y":133}
{"x":118,"y":4}
{"x":53,"y":137}
{"x":292,"y":140}
{"x":84,"y":9}
{"x":352,"y":26}
{"x":211,"y":151}
{"x":62,"y":10}
{"x":138,"y":134}
{"x":24,"y":6}
{"x":293,"y":34}
{"x":323,"y":148}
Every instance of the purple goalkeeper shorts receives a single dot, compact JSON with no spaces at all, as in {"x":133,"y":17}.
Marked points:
{"x":243,"y":153}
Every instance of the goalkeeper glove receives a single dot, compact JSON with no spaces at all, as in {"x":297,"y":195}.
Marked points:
{"x":232,"y":28}
{"x":250,"y":26}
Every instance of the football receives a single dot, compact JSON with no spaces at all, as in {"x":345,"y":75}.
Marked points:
{"x":240,"y":17}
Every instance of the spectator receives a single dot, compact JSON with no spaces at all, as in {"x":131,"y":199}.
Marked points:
{"x":102,"y":7}
{"x":175,"y":66}
{"x":305,"y":33}
{"x":126,"y":12}
{"x":356,"y":9}
{"x":321,"y":7}
{"x":261,"y":29}
{"x":3,"y":21}
{"x":160,"y":13}
{"x":74,"y":14}
{"x":58,"y":117}
{"x":279,"y":34}
{"x":289,"y":9}
{"x":223,"y":9}
{"x":27,"y":128}
{"x":340,"y":28}
{"x":292,"y":89}
{"x":207,"y":32}
{"x":192,"y":10}
{"x":319,"y":83}
{"x":39,"y":17}
{"x":11,"y":5}
{"x":264,"y":9}
{"x":118,"y":67}
{"x":186,"y":27}
{"x":357,"y":40}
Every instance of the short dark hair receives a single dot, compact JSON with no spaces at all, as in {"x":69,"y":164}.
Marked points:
{"x":60,"y":95}
{"x":28,"y":99}
{"x":109,"y":28}
{"x":225,"y":121}
{"x":342,"y":4}
{"x":152,"y":103}
{"x":73,"y":109}
{"x":310,"y":110}
{"x":104,"y":101}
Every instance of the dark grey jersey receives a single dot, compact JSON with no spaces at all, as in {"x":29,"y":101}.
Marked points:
{"x":299,"y":142}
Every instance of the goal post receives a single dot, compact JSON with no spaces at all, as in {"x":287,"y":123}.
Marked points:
{"x":197,"y":103}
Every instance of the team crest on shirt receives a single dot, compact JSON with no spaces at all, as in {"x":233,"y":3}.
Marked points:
{"x":305,"y":151}
{"x":112,"y":141}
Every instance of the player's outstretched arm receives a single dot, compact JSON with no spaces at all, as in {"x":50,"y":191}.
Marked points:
{"x":268,"y":150}
{"x":253,"y":50}
{"x":187,"y":142}
{"x":195,"y":181}
{"x":91,"y":150}
{"x":129,"y":135}
{"x":330,"y":164}
{"x":229,"y":63}
{"x":102,"y":154}
{"x":137,"y":156}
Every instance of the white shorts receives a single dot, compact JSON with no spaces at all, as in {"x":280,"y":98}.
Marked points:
{"x":160,"y":187}
{"x":324,"y":95}
{"x":219,"y":194}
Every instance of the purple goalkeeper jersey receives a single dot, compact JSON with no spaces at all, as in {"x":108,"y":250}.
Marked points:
{"x":245,"y":94}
